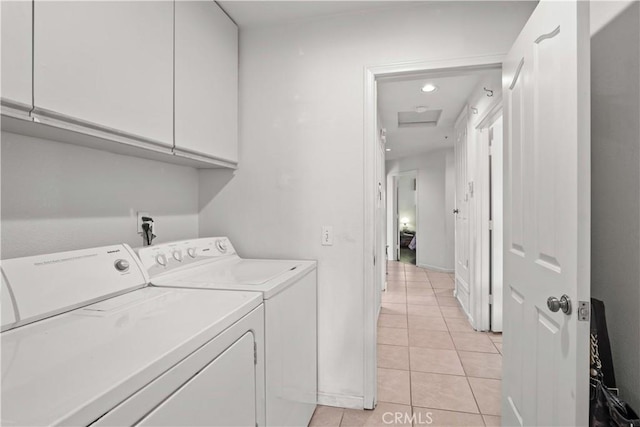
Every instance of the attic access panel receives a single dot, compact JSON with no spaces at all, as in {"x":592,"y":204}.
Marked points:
{"x":428,"y":118}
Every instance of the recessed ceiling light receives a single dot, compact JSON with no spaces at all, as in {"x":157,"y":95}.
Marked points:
{"x":388,"y":149}
{"x":429,"y":88}
{"x":421,"y":109}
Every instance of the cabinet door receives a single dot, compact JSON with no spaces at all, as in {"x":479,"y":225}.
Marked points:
{"x":106,"y":64}
{"x":206,"y":78}
{"x":16,"y":57}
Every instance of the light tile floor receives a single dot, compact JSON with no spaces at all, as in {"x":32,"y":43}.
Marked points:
{"x":433,"y":368}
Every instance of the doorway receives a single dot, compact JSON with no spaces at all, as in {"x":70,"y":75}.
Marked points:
{"x":447,"y":173}
{"x":406,"y":214}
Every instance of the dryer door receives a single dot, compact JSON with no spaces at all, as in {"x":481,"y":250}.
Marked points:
{"x":222,"y":394}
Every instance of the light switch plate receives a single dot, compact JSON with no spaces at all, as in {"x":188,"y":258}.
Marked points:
{"x":327,"y":235}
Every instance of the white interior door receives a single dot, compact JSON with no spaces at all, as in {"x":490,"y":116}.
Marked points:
{"x":461,"y":211}
{"x":547,"y":218}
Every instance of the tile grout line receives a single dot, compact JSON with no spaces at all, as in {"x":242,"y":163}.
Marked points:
{"x":406,"y":302}
{"x":462,"y":365}
{"x":466,"y":375}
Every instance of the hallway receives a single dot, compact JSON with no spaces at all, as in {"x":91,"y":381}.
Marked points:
{"x":433,"y":368}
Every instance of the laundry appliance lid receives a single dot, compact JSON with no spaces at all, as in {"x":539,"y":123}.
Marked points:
{"x":270,"y":277}
{"x":240,"y":271}
{"x":72,"y":368}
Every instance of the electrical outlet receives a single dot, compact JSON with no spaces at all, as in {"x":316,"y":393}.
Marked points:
{"x":327,"y":235}
{"x":140,"y":215}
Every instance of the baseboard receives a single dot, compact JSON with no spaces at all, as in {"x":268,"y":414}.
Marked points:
{"x":436,"y":268}
{"x":463,"y":284}
{"x":468,"y":314}
{"x":340,"y":401}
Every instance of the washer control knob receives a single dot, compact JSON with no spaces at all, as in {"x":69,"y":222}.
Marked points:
{"x":161,"y":259}
{"x":121,"y":265}
{"x":221,"y":244}
{"x":191,"y":252}
{"x":177,"y":255}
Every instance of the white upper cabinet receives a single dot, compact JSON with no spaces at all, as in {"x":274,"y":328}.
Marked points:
{"x":206,"y":81}
{"x":106,"y":66}
{"x":16,"y":50}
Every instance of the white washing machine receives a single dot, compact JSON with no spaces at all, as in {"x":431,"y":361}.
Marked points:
{"x":290,"y":299}
{"x":84,"y":341}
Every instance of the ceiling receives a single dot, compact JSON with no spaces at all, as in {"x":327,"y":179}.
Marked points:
{"x":403,"y":94}
{"x":395,"y":94}
{"x":250,"y":14}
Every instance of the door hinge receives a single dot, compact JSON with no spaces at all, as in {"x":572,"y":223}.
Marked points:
{"x":584,"y":311}
{"x":490,"y":224}
{"x":491,"y":151}
{"x":490,"y":299}
{"x":374,"y":260}
{"x":255,"y":353}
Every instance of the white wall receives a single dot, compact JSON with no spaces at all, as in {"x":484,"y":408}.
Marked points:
{"x":58,"y":197}
{"x":407,"y":202}
{"x":436,"y":191}
{"x":615,"y":182}
{"x":301,"y":152}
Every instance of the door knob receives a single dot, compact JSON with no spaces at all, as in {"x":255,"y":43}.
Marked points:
{"x":555,"y":304}
{"x":455,"y":211}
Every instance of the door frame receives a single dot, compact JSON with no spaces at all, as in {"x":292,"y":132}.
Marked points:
{"x":396,"y":214}
{"x":371,"y":73}
{"x":485,"y":255}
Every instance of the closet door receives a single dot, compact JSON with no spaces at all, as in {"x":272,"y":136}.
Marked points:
{"x":206,"y":78}
{"x":16,"y":57}
{"x":106,"y":65}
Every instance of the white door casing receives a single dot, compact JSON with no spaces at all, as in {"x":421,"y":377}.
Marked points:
{"x":396,"y":220}
{"x":496,"y":143}
{"x":380,"y":218}
{"x":479,"y":229}
{"x":486,"y":286}
{"x":547,"y":217}
{"x":370,"y":184}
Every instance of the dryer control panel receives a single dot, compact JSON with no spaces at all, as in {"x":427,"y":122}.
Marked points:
{"x":41,"y":286}
{"x":168,"y":257}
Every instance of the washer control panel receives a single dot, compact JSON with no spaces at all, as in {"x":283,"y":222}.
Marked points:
{"x":162,"y":258}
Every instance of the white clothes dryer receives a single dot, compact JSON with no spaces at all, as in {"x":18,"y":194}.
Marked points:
{"x":290,"y":299}
{"x":85,"y":341}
